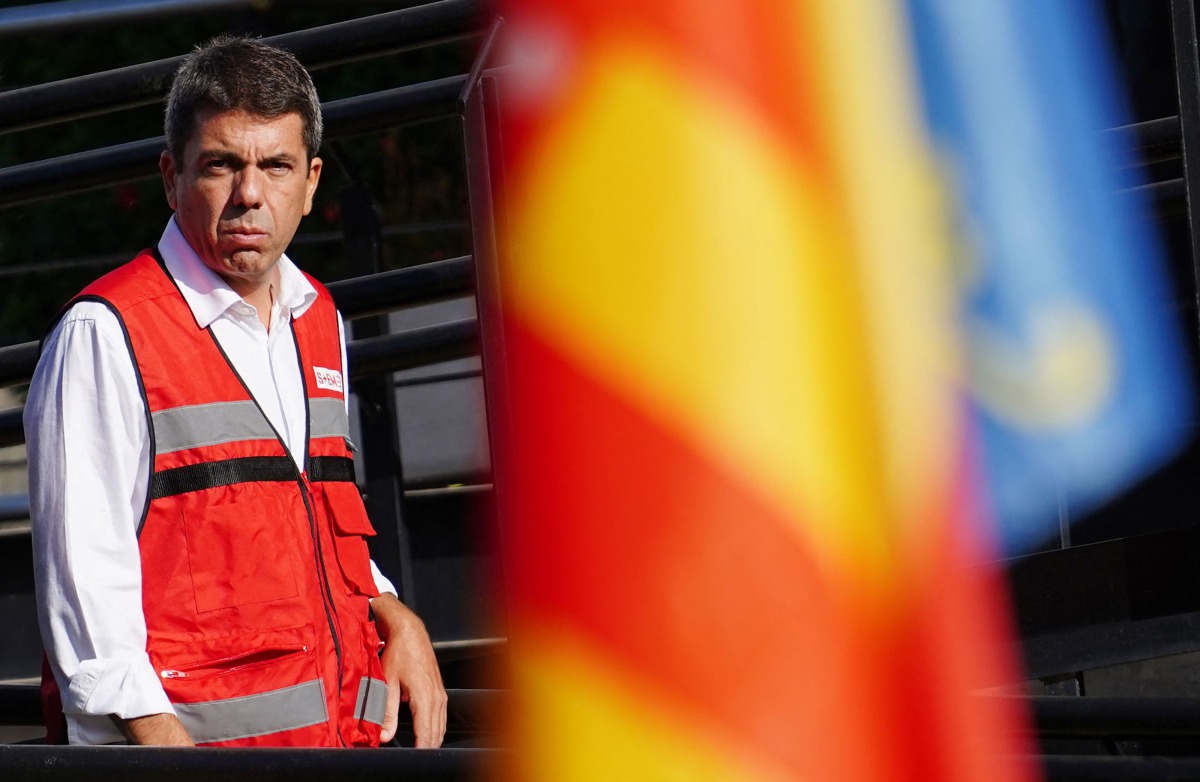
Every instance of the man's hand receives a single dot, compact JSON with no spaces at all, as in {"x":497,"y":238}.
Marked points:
{"x":163,"y":730}
{"x":411,"y":671}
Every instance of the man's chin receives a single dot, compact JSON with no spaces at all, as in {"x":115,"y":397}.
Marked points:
{"x":249,"y":261}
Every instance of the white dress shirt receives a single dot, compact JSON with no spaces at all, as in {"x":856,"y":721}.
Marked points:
{"x":88,"y":464}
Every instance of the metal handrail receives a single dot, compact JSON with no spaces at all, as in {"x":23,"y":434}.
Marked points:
{"x":12,"y":429}
{"x":1089,"y":716}
{"x":317,"y":47}
{"x":181,"y":764}
{"x":13,"y":508}
{"x":1074,"y":768}
{"x":366,"y":357}
{"x":467,"y":710}
{"x":1156,"y":140}
{"x":135,"y":160}
{"x":69,"y":15}
{"x":412,"y":348}
{"x":356,"y":298}
{"x":375,"y":294}
{"x":17,"y":363}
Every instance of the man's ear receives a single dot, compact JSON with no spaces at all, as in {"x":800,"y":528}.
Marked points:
{"x":166,"y":165}
{"x":314,"y":176}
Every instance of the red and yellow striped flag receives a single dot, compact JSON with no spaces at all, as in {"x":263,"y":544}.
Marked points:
{"x":741,"y":532}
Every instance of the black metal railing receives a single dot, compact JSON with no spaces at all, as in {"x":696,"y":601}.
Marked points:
{"x":470,"y":713}
{"x":356,"y":298}
{"x":153,"y":764}
{"x":67,"y":16}
{"x":135,"y":160}
{"x":317,"y":47}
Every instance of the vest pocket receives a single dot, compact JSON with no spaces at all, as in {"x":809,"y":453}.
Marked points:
{"x":244,"y":686}
{"x":236,"y":663}
{"x":237,"y":555}
{"x":351,"y":528}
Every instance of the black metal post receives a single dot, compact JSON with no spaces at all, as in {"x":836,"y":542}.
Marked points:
{"x":383,"y":478}
{"x":479,"y":104}
{"x":1187,"y":83}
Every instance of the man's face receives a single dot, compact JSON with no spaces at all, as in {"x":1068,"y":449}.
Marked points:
{"x":240,"y":190}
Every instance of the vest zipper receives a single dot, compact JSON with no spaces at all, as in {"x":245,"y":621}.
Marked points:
{"x":326,"y":593}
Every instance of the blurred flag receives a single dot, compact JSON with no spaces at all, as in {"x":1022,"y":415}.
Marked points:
{"x":1077,"y":371}
{"x":742,"y":532}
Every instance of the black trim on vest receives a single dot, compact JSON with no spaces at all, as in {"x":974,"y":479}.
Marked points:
{"x":210,"y":475}
{"x":278,"y":436}
{"x":308,"y":465}
{"x":162,"y":264}
{"x":331,"y":468}
{"x":137,"y":373}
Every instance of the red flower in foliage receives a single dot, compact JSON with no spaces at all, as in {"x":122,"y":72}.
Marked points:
{"x":127,"y":196}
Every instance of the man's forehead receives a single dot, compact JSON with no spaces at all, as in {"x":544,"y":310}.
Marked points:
{"x":237,"y":127}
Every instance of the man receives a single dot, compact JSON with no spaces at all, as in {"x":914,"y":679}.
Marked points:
{"x":201,"y":566}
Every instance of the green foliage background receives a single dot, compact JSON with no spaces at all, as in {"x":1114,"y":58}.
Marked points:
{"x":50,"y":249}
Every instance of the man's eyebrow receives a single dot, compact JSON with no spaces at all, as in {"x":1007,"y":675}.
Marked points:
{"x":219,"y":154}
{"x":282,"y":157}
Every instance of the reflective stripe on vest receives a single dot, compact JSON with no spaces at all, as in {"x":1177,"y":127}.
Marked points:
{"x":372,"y":700}
{"x":327,"y":418}
{"x":222,"y":423}
{"x":217,"y":423}
{"x":289,"y":708}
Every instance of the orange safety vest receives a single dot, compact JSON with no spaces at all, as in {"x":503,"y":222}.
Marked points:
{"x":255,"y":575}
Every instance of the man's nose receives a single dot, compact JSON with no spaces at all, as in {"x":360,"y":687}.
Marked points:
{"x":248,"y":188}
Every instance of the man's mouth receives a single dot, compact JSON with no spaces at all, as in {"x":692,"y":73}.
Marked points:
{"x":242,"y":235}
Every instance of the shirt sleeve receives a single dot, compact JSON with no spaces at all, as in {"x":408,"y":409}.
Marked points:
{"x":382,"y":583}
{"x":88,"y":447}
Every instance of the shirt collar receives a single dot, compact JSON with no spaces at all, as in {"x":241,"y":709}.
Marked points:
{"x":208,"y":296}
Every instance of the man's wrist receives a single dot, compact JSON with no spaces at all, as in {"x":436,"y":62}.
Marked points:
{"x":393,"y":617}
{"x":154,"y":730}
{"x":371,"y":604}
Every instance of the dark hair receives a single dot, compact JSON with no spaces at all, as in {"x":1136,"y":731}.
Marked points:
{"x":231,"y":72}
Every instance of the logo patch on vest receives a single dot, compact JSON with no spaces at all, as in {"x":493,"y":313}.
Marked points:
{"x":329,"y":379}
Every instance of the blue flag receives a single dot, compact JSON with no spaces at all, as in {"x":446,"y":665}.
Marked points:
{"x":1076,"y":368}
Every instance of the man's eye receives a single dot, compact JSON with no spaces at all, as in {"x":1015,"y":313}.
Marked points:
{"x":216,"y":165}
